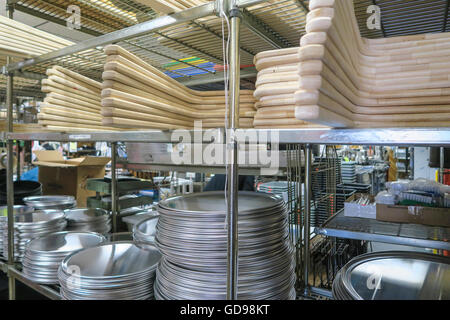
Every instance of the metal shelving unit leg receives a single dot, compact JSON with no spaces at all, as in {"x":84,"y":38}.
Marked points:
{"x":9,"y":173}
{"x":233,"y":170}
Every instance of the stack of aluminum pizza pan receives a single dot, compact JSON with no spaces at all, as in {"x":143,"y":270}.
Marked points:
{"x":18,"y":209}
{"x":192,"y":236}
{"x":31,"y":225}
{"x":394,"y":275}
{"x":50,"y":202}
{"x":111,"y":271}
{"x":88,"y":219}
{"x":44,"y":255}
{"x":144,"y":231}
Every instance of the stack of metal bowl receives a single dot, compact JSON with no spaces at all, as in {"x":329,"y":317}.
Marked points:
{"x":30,"y":225}
{"x":192,"y":237}
{"x":4,"y":218}
{"x":22,"y":189}
{"x":50,"y":202}
{"x":394,"y":275}
{"x":84,"y":219}
{"x":44,"y":255}
{"x":144,"y":231}
{"x":112,"y":271}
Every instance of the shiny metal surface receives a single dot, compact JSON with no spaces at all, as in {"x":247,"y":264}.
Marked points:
{"x":410,"y":137}
{"x":87,"y":219}
{"x":232,"y":198}
{"x":36,"y":218}
{"x":194,"y":248}
{"x":213,"y":203}
{"x":64,"y":242}
{"x":394,"y":276}
{"x":145,"y":230}
{"x":50,"y":202}
{"x":29,"y":225}
{"x":85,"y":214}
{"x":117,"y":270}
{"x":44,"y":255}
{"x":18,"y":209}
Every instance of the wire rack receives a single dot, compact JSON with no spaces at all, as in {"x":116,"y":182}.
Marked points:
{"x":98,"y":16}
{"x":324,"y":186}
{"x":23,"y":87}
{"x":295,"y":176}
{"x":194,"y":48}
{"x":201,"y":38}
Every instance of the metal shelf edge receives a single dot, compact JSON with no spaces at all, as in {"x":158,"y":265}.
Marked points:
{"x":42,"y":289}
{"x":356,"y":235}
{"x":383,"y":137}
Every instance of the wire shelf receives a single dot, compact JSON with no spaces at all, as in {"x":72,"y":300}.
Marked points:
{"x":23,"y":87}
{"x":98,"y":16}
{"x":200,"y":39}
{"x":388,"y":232}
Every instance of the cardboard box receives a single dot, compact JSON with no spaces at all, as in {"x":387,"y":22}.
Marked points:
{"x":414,"y":214}
{"x":68,"y":177}
{"x":360,"y":211}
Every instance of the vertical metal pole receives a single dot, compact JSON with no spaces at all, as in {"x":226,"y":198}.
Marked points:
{"x":233,"y":173}
{"x":18,"y":150}
{"x":308,"y":169}
{"x":114,"y":186}
{"x":441,"y":165}
{"x":10,"y":173}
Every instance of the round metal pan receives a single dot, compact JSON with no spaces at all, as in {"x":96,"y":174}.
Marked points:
{"x":394,"y":275}
{"x":192,"y":237}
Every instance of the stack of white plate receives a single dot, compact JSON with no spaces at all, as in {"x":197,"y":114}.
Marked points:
{"x":192,"y":237}
{"x":83,"y":219}
{"x":31,"y":225}
{"x":50,"y":202}
{"x":112,"y":271}
{"x":394,"y":275}
{"x":4,"y":218}
{"x":144,"y":231}
{"x":44,"y":255}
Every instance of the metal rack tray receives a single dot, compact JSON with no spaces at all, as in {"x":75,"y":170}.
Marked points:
{"x":415,"y":235}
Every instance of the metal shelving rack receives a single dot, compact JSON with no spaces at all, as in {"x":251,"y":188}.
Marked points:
{"x":414,"y":235}
{"x":88,"y":51}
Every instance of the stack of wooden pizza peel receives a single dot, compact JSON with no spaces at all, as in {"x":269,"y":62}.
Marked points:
{"x":338,"y":79}
{"x":335,"y":78}
{"x":135,"y":94}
